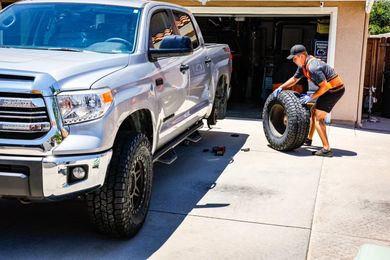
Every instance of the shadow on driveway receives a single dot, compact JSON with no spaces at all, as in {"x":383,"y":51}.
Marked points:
{"x":62,"y":230}
{"x":308,"y":151}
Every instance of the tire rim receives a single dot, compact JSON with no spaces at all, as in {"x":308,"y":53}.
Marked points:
{"x":137,"y":187}
{"x":278,"y":120}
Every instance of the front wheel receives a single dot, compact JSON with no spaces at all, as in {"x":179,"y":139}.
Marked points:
{"x":120,"y":206}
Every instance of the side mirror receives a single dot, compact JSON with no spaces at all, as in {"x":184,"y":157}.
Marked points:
{"x":172,"y":46}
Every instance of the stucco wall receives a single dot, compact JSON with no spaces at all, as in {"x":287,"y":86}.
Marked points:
{"x":348,"y":58}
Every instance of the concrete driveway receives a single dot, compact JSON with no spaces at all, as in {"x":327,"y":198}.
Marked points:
{"x":256,"y":204}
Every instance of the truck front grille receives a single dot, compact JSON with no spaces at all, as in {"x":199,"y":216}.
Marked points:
{"x":23,"y":116}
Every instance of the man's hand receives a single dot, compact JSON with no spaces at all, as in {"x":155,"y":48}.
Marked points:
{"x":277,"y":91}
{"x":306,"y":99}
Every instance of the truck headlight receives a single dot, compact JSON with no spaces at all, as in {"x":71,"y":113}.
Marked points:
{"x":81,"y":106}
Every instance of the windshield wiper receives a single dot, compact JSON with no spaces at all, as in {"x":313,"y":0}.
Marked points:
{"x":65,"y":49}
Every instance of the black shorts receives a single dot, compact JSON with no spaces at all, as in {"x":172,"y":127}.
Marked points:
{"x":327,"y":101}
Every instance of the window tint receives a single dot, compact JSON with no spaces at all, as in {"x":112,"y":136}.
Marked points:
{"x":160,"y":26}
{"x":91,"y":27}
{"x":186,"y":28}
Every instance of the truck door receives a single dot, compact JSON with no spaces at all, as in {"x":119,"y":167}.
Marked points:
{"x":198,"y":64}
{"x":171,"y":85}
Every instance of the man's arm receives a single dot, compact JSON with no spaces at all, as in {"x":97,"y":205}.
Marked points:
{"x":323,"y":88}
{"x":318,"y":75}
{"x":289,"y":83}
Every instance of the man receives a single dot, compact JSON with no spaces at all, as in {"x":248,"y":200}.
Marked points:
{"x":330,"y":90}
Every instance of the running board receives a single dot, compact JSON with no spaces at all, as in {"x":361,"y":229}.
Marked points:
{"x":168,"y":158}
{"x":177,"y":140}
{"x":194,"y":137}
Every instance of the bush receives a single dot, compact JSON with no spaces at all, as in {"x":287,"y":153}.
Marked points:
{"x":380,"y":17}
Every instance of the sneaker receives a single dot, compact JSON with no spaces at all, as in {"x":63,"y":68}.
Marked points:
{"x":308,"y":142}
{"x":323,"y":152}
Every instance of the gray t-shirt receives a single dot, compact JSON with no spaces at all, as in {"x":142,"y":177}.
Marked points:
{"x":318,"y":71}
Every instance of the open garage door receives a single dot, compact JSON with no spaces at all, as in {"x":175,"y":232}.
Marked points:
{"x":260,"y":45}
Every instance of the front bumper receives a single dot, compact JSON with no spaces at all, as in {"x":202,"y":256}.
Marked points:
{"x":40,"y":178}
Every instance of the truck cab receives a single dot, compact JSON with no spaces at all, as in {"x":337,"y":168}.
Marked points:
{"x":92,"y":94}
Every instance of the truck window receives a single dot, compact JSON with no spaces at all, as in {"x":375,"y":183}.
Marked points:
{"x":160,"y":26}
{"x":186,"y":27}
{"x":93,"y":27}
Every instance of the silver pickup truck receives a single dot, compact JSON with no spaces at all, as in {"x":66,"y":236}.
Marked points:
{"x":93,"y":93}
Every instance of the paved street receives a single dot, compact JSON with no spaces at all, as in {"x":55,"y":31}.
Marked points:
{"x":256,"y":204}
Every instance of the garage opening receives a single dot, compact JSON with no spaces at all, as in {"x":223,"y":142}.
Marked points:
{"x":259,"y":46}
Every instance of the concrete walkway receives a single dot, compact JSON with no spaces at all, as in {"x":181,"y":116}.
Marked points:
{"x":256,"y":204}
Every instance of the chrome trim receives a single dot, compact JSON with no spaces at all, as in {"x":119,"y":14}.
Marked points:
{"x":44,"y":145}
{"x":23,"y":117}
{"x":13,"y":174}
{"x":20,"y":113}
{"x":54,"y":173}
{"x":21,"y":102}
{"x":16,"y":127}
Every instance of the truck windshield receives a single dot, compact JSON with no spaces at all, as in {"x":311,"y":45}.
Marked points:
{"x":69,"y":27}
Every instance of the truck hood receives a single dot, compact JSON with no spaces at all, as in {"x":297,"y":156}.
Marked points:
{"x":68,"y":70}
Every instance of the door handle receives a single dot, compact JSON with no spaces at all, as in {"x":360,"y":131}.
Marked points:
{"x":184,"y":67}
{"x":207,"y":61}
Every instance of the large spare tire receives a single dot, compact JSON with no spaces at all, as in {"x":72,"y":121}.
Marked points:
{"x":285,"y":121}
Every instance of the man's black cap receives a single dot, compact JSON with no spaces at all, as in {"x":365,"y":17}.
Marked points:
{"x":296,"y":49}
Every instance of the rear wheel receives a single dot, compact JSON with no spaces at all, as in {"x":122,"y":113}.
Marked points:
{"x":285,"y":121}
{"x":223,"y":99}
{"x":213,"y":117}
{"x":120,"y":206}
{"x":219,"y":105}
{"x":223,"y":106}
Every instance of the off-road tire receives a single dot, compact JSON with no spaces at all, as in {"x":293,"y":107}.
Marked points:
{"x":223,"y":107}
{"x":213,"y":117}
{"x":114,"y":208}
{"x":223,"y":96}
{"x":285,"y":121}
{"x":219,"y":105}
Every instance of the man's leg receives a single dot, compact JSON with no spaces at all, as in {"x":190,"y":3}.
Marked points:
{"x":312,"y":124}
{"x":321,"y":127}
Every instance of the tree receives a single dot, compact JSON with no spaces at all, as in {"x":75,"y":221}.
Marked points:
{"x":380,"y":17}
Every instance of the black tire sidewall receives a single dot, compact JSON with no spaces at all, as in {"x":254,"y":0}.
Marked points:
{"x":135,"y":147}
{"x":110,"y":206}
{"x":223,"y":108}
{"x":297,"y":126}
{"x":143,"y":154}
{"x":213,"y":117}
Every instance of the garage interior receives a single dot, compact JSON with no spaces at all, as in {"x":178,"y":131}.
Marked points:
{"x":376,"y":91}
{"x":259,"y":46}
